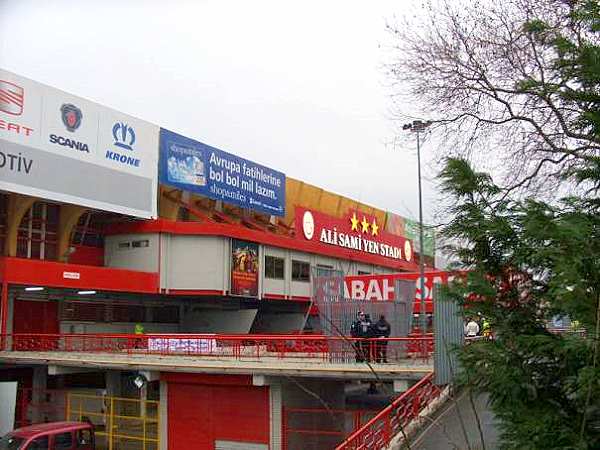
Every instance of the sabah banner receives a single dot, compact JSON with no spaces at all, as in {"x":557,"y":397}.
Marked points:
{"x":381,"y":288}
{"x":193,"y":166}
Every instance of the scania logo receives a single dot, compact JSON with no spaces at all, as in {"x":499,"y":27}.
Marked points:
{"x":11,"y":98}
{"x":71,"y":116}
{"x":124,"y":135}
{"x":71,"y":143}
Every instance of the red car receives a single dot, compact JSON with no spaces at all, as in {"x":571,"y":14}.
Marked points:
{"x":50,"y":436}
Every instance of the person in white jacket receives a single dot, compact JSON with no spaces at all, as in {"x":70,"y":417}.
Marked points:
{"x":471,"y":329}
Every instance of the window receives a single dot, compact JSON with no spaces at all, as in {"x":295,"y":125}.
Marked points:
{"x":37,"y":234}
{"x":84,"y":438}
{"x":324,"y":266}
{"x":300,"y":271}
{"x":63,"y":441}
{"x":362,"y":272}
{"x":40,"y":443}
{"x":274,"y":267}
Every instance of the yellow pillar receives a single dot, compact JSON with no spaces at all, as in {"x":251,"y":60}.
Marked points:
{"x":68,"y":218}
{"x":18,"y":205}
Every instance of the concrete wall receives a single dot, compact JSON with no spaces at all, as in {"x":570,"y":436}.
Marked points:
{"x":197,"y":319}
{"x":277,"y":322}
{"x":128,"y":251}
{"x":195,"y":262}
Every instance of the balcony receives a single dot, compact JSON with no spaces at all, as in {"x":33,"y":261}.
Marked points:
{"x":272,"y":355}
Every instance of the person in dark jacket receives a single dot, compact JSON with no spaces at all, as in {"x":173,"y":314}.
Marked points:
{"x":381,"y":329}
{"x":361,"y":328}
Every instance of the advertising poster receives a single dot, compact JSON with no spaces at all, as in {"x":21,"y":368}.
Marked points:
{"x":244,"y":268}
{"x":196,"y":167}
{"x":61,"y":147}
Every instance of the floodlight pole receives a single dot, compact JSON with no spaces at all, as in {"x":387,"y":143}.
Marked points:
{"x":418,"y":126}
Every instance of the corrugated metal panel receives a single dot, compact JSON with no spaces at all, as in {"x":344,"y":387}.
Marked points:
{"x":448,"y":332}
{"x":337,"y":312}
{"x":275,"y":397}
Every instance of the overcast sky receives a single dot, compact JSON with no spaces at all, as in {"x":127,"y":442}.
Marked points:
{"x":296,"y":86}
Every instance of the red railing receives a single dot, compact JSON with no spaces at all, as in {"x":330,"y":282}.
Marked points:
{"x":318,"y":427}
{"x":381,"y":429}
{"x":290,"y":347}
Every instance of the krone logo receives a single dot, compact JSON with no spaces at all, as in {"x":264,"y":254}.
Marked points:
{"x":124,"y":135}
{"x":308,"y":225}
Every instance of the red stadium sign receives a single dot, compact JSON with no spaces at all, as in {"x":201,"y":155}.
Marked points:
{"x":381,"y":288}
{"x":357,"y":232}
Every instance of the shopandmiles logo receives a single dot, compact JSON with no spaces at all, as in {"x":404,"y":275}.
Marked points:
{"x":124,"y":138}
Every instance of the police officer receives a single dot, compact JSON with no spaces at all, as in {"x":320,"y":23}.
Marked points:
{"x":361,"y":328}
{"x":381,"y":329}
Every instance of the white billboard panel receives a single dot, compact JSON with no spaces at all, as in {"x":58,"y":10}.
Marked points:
{"x":61,"y":147}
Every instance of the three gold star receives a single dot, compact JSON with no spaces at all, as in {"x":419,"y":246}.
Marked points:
{"x":374,"y":228}
{"x":365,"y":225}
{"x":354,"y":221}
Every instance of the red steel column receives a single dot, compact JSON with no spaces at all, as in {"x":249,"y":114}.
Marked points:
{"x":4,"y":313}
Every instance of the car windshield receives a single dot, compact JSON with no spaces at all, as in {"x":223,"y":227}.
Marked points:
{"x":10,"y":442}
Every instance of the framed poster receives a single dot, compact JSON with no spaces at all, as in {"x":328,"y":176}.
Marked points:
{"x":244,"y":268}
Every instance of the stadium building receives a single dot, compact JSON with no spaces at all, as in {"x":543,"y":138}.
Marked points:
{"x":130,"y":251}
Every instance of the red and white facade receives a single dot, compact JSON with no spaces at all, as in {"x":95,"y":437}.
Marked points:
{"x":68,"y":269}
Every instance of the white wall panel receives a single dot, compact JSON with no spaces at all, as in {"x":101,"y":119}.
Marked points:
{"x":195,"y":262}
{"x":120,"y":252}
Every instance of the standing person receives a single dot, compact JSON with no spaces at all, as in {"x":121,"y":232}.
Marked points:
{"x":361,"y":328}
{"x":471,"y":329}
{"x":486,"y":329}
{"x":138,"y":330}
{"x":382,"y":329}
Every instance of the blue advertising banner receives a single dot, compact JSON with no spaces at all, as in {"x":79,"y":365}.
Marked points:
{"x":193,"y":166}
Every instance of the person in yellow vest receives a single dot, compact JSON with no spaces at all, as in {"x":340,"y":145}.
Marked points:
{"x":138,"y":330}
{"x":486,"y":329}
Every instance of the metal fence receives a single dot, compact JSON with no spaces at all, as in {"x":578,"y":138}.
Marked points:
{"x":337,"y":312}
{"x":119,"y":423}
{"x":391,"y":421}
{"x":301,"y":348}
{"x":448,"y":330}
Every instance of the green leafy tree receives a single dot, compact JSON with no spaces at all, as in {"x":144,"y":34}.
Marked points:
{"x":517,"y":82}
{"x":529,"y":261}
